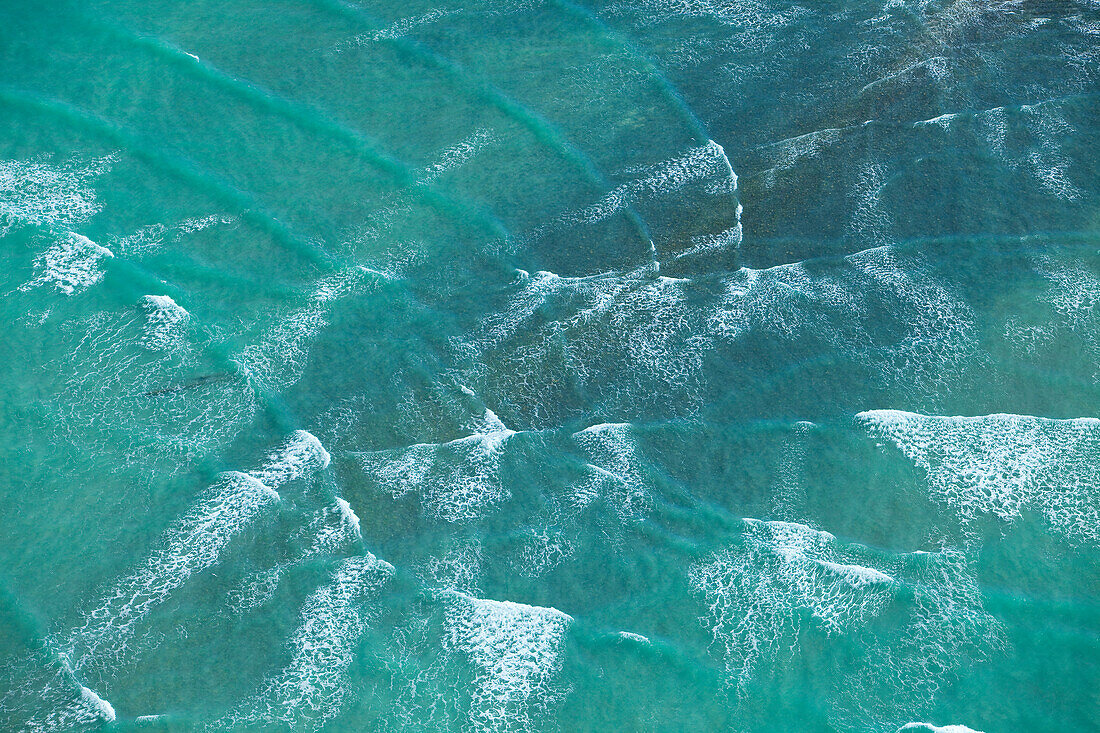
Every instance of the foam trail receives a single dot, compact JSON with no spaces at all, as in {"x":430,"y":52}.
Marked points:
{"x":333,"y":530}
{"x":59,"y":703}
{"x":457,"y":481}
{"x":192,"y":544}
{"x":310,"y":689}
{"x":398,"y":29}
{"x":457,"y":155}
{"x":790,"y":495}
{"x":299,"y":456}
{"x":700,"y":163}
{"x":615,"y":463}
{"x":72,"y":263}
{"x":791,"y":300}
{"x":153,"y":237}
{"x":89,"y":710}
{"x":146,"y":397}
{"x":1074,"y":296}
{"x":947,"y":629}
{"x":53,"y":196}
{"x":166,"y":322}
{"x":516,"y":651}
{"x":756,"y":592}
{"x":279,"y":359}
{"x":349,"y":516}
{"x":634,"y":330}
{"x":637,"y":342}
{"x":1000,"y":465}
{"x":725,"y":240}
{"x":929,"y":728}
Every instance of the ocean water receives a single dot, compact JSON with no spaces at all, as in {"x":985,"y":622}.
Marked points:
{"x":550,"y":365}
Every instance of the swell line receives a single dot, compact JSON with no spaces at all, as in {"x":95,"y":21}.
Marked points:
{"x":312,"y":120}
{"x":544,"y":131}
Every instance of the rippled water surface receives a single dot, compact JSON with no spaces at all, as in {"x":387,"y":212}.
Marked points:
{"x":565,"y":365}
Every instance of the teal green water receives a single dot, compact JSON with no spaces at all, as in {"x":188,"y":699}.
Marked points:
{"x":722,"y":365}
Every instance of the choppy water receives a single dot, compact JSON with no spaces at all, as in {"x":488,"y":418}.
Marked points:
{"x":559,"y":366}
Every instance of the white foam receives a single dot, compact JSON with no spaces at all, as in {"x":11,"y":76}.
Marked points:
{"x":631,"y":636}
{"x":757,"y":591}
{"x":626,"y":336}
{"x":60,"y":706}
{"x":516,"y":651}
{"x":72,"y":263}
{"x":154,"y":236}
{"x":637,"y":344}
{"x":398,"y":29}
{"x":869,"y":221}
{"x":458,"y":155}
{"x":729,"y":239}
{"x":104,"y":709}
{"x":789,"y":495}
{"x":790,"y":302}
{"x":334,"y":530}
{"x":279,"y":359}
{"x":166,"y":322}
{"x":945,"y":630}
{"x":929,"y":728}
{"x":156,"y":404}
{"x":943,"y":120}
{"x":348,"y":514}
{"x":311,"y":688}
{"x":706,"y":163}
{"x":1000,"y":465}
{"x":298,"y":457}
{"x":541,"y":549}
{"x":792,"y":151}
{"x":458,"y":568}
{"x":1048,"y":163}
{"x":44,"y":194}
{"x":1073,"y":293}
{"x":457,"y":480}
{"x":613,"y":453}
{"x":192,"y":544}
{"x":856,"y":575}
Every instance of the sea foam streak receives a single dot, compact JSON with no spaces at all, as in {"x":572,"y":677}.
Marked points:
{"x":458,"y":154}
{"x":153,"y":237}
{"x":331,"y":531}
{"x":947,"y":629}
{"x":166,"y":323}
{"x":72,"y":263}
{"x":706,"y":165}
{"x":516,"y":651}
{"x":140,"y":377}
{"x":311,"y":688}
{"x":192,"y":544}
{"x":1001,"y":465}
{"x":633,"y":334}
{"x":1073,"y":295}
{"x":615,"y":468}
{"x":457,"y":481}
{"x":757,"y":592}
{"x":51,"y":698}
{"x":638,"y":343}
{"x":55,"y":196}
{"x":279,"y":359}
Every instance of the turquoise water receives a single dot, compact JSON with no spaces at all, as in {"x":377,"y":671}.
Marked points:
{"x":550,"y":366}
